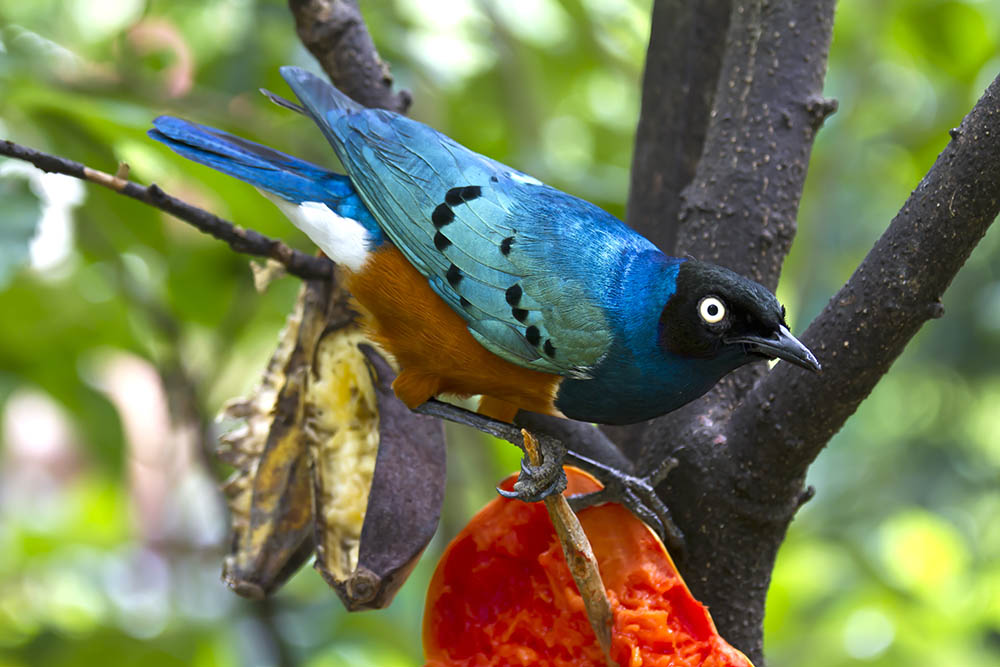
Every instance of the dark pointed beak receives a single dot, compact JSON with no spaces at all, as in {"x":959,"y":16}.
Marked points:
{"x":782,"y":345}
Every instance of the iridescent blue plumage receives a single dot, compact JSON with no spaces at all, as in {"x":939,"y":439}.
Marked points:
{"x":543,"y":279}
{"x":288,"y":177}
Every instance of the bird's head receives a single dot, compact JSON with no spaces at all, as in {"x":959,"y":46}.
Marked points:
{"x":717,"y":314}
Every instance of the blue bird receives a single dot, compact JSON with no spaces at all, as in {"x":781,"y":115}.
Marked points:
{"x":479,"y":279}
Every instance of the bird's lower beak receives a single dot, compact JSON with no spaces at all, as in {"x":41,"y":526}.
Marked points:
{"x":782,"y":345}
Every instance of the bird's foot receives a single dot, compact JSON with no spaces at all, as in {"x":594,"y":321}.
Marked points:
{"x":536,"y":482}
{"x":539,"y":481}
{"x":638,"y":494}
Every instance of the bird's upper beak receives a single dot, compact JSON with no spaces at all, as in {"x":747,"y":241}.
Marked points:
{"x":782,"y":345}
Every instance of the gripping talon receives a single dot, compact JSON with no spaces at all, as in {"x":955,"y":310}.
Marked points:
{"x":532,"y":494}
{"x":638,"y":494}
{"x":662,"y":470}
{"x":537,"y":482}
{"x":581,"y":501}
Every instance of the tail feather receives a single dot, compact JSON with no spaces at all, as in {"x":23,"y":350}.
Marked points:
{"x":316,"y":94}
{"x":282,"y":102}
{"x":273,"y":171}
{"x":322,"y":101}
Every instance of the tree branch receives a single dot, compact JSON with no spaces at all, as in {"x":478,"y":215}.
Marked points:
{"x":336,"y":35}
{"x":740,"y":209}
{"x":790,"y":416}
{"x":678,"y":86}
{"x":246,"y":241}
{"x":683,"y":63}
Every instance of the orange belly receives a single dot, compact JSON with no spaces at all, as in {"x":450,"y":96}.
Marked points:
{"x":434,"y":349}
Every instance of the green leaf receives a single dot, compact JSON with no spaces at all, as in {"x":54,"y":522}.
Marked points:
{"x":20,"y":212}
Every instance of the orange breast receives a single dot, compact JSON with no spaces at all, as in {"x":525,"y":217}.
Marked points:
{"x":435,"y":352}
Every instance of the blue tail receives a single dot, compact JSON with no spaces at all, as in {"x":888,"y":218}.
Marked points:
{"x":288,"y":177}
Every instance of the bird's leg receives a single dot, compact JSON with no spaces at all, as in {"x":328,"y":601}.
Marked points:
{"x":592,"y":451}
{"x":638,"y":494}
{"x":535,"y":482}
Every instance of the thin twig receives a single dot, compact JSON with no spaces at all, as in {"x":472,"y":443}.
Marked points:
{"x":241,"y":240}
{"x":579,"y":557}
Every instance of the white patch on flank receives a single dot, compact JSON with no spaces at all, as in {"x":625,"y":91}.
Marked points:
{"x":524,"y":178}
{"x":344,"y":240}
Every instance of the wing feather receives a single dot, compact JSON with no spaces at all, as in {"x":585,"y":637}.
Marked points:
{"x":508,"y":254}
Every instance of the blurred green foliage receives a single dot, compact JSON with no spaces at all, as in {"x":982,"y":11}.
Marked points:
{"x":111,"y":532}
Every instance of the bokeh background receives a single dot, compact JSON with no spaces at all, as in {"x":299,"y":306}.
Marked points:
{"x":123,"y":331}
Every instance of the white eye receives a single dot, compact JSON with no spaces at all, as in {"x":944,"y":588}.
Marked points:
{"x":711,"y":309}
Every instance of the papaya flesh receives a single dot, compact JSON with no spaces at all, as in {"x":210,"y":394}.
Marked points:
{"x":502,"y":594}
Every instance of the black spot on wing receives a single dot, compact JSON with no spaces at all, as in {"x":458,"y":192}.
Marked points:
{"x":442,"y":215}
{"x":519,"y":314}
{"x":505,"y":245}
{"x":549,"y":348}
{"x":513,"y":294}
{"x":456,"y":196}
{"x":454,"y":275}
{"x":533,"y":335}
{"x":441,"y":242}
{"x":465,"y":303}
{"x":494,"y":179}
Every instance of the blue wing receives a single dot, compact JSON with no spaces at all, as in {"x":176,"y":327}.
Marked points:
{"x":532,"y":270}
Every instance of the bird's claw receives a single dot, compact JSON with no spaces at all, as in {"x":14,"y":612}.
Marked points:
{"x":536,"y":483}
{"x":638,"y":494}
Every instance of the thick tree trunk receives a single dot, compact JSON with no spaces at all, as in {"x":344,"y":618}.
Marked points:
{"x":744,"y":448}
{"x":738,"y":210}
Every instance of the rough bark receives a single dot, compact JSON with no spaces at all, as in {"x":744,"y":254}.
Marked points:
{"x":336,"y":34}
{"x":789,"y":417}
{"x":679,"y":83}
{"x":739,"y":210}
{"x":745,"y":447}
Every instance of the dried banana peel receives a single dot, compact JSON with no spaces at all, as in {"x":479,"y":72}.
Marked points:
{"x":328,"y":459}
{"x":270,"y":494}
{"x":407,"y":489}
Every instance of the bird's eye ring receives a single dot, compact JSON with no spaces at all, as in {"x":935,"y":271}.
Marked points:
{"x":711,"y":309}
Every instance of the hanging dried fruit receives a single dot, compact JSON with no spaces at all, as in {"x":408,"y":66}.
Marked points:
{"x":328,"y":459}
{"x":502,"y":594}
{"x":270,"y":493}
{"x":366,"y":562}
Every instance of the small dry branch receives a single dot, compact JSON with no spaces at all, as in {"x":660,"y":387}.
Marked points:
{"x":246,"y":241}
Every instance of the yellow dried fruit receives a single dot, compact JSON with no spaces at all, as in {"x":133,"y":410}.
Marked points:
{"x":341,"y":428}
{"x":328,"y":459}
